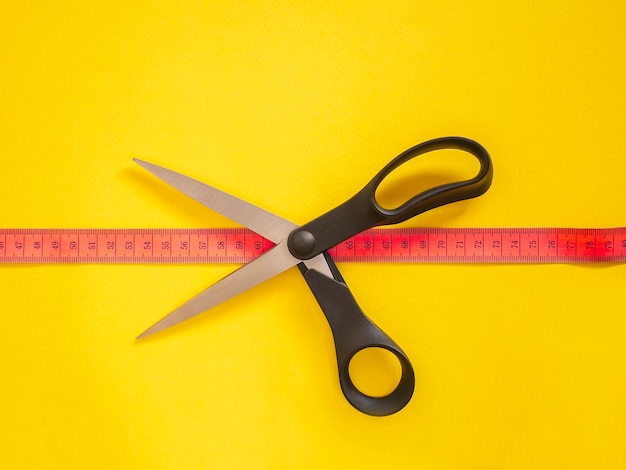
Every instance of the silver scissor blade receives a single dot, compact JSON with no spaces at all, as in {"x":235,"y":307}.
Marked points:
{"x":266,"y":224}
{"x":268,"y":265}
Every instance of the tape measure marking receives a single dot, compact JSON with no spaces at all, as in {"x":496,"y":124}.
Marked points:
{"x":239,"y":245}
{"x":130,"y":245}
{"x":486,"y":245}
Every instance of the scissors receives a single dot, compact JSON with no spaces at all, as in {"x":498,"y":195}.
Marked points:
{"x":306,"y":246}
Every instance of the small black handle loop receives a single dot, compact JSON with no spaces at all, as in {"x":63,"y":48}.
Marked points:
{"x":353,"y":332}
{"x":362,"y":211}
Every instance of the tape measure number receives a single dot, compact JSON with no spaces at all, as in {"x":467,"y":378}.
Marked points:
{"x":238,"y":245}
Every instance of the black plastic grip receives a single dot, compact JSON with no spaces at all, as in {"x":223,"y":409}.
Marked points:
{"x":353,"y":332}
{"x":362,"y":211}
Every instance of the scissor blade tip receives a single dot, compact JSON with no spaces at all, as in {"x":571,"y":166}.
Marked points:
{"x":148,"y":332}
{"x":154,"y":329}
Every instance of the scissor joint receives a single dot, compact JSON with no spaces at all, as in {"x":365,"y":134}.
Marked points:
{"x":301,"y":244}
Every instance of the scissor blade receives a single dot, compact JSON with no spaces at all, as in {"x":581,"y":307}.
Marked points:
{"x":268,"y":265}
{"x":266,"y":224}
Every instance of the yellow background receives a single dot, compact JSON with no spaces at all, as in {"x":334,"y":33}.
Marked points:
{"x":294,"y":105}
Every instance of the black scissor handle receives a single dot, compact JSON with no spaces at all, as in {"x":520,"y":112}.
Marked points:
{"x":362,"y":211}
{"x":353,"y":332}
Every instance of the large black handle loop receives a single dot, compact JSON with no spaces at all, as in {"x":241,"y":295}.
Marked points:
{"x":362,"y":211}
{"x":439,"y":195}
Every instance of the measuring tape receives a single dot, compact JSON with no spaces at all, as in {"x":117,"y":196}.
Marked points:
{"x":239,"y":245}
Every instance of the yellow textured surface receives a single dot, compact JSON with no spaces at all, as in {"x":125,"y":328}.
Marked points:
{"x":294,"y":105}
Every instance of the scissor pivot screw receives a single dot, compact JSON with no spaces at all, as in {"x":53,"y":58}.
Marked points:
{"x":301,"y":244}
